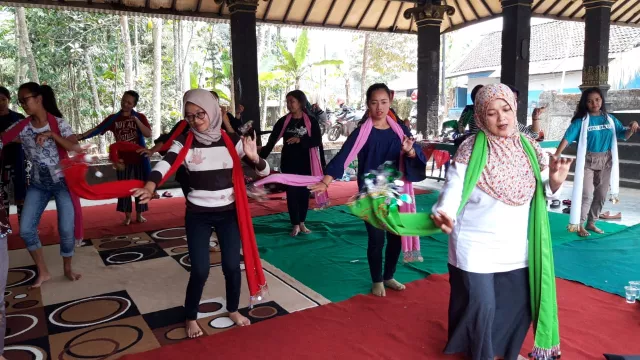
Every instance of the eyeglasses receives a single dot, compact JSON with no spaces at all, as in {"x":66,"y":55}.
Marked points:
{"x":23,"y":100}
{"x":192,"y":117}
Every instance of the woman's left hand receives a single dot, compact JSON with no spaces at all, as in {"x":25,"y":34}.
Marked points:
{"x":558,"y":170}
{"x":250,"y":148}
{"x":293,"y":140}
{"x":407,"y":144}
{"x":634,"y":127}
{"x":43,"y":136}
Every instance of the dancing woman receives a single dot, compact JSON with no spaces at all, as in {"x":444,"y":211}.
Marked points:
{"x":378,"y":140}
{"x":501,"y":276}
{"x":217,"y":199}
{"x":12,"y":167}
{"x":46,"y":137}
{"x":300,"y":154}
{"x":596,"y":132}
{"x":127,"y":125}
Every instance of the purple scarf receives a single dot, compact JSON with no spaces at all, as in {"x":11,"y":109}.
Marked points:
{"x":322,"y":199}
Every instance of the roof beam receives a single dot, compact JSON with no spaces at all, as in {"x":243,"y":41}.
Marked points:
{"x":486,"y":6}
{"x":474,"y":9}
{"x":173,"y":4}
{"x":266,"y":12}
{"x":309,"y":10}
{"x":565,"y":8}
{"x":632,"y":18}
{"x":575,"y":12}
{"x":346,"y":15}
{"x":464,"y":18}
{"x":384,"y":12}
{"x":537,"y":5}
{"x":199,"y":5}
{"x":449,"y":17}
{"x":364,"y":14}
{"x":395,"y":22}
{"x":411,"y":22}
{"x":326,"y":18}
{"x":546,"y":12}
{"x":618,"y":8}
{"x":286,"y":15}
{"x":219,"y":10}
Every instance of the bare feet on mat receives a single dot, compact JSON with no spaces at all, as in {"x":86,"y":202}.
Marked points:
{"x":295,"y":231}
{"x":377,"y":289}
{"x":69,"y":274}
{"x":240,"y":320}
{"x":394,"y":284}
{"x":192,"y":329}
{"x":42,"y":277}
{"x":214,"y":248}
{"x":127,"y":219}
{"x":304,"y":229}
{"x":583,"y":232}
{"x":594,"y":228}
{"x":140,"y":219}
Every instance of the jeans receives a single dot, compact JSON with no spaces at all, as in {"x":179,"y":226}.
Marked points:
{"x":4,"y":268}
{"x":38,"y":196}
{"x":374,"y":253}
{"x":297,"y":203}
{"x":199,"y":228}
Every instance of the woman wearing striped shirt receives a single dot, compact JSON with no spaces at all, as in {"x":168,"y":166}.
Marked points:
{"x":211,"y":200}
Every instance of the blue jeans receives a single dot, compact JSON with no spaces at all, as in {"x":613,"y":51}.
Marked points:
{"x":38,"y":196}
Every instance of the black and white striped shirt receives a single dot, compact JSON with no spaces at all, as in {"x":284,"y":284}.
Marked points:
{"x":210,"y":172}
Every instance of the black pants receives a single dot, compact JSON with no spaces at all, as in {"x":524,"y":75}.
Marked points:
{"x":298,"y":203}
{"x":131,"y":172}
{"x":199,"y":228}
{"x":374,"y":253}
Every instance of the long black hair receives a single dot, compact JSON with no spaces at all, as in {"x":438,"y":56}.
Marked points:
{"x":582,"y":110}
{"x":474,"y":92}
{"x":302,"y":99}
{"x":375,"y":87}
{"x":47,"y":94}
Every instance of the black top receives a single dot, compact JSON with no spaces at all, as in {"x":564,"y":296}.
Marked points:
{"x":10,"y":151}
{"x":295,"y":157}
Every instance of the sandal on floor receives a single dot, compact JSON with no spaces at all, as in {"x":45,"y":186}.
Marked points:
{"x":566,"y":202}
{"x":608,"y":216}
{"x":155,"y":196}
{"x":167,"y":194}
{"x":566,"y":210}
{"x":555,"y":204}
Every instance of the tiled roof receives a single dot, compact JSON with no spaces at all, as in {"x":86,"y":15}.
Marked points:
{"x":549,"y":41}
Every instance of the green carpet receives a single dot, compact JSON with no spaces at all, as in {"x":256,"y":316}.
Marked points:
{"x":333,"y":259}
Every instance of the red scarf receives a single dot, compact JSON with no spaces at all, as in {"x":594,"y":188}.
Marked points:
{"x":123,"y":146}
{"x":15,"y":131}
{"x":75,"y":172}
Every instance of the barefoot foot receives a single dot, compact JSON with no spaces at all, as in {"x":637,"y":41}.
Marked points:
{"x":127,"y":220}
{"x":582,"y":232}
{"x":240,"y":320}
{"x":394,"y":285}
{"x":42,"y":277}
{"x":140,"y":219}
{"x":192,"y":329}
{"x":304,"y":229}
{"x":377,"y":289}
{"x":595,"y":229}
{"x":69,"y":274}
{"x":295,"y":231}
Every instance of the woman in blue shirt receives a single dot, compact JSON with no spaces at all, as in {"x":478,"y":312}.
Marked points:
{"x":598,"y":160}
{"x":382,"y":145}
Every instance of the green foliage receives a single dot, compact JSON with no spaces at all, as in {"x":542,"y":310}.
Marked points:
{"x":402,"y":107}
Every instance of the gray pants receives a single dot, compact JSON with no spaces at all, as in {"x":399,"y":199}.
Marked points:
{"x":4,"y":268}
{"x":597,"y":174}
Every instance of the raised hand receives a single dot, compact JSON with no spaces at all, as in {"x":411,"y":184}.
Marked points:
{"x":537,"y":112}
{"x":407,"y":144}
{"x":558,"y":171}
{"x":443,"y":221}
{"x":634,"y":127}
{"x":250,"y":148}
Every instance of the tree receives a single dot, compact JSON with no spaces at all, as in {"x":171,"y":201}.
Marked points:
{"x":128,"y":63}
{"x":24,"y":39}
{"x":157,"y":77}
{"x":365,"y":65}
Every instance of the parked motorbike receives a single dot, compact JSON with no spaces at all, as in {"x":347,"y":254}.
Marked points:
{"x":345,"y":123}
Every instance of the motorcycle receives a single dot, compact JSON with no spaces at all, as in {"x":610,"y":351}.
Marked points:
{"x":346,"y":122}
{"x":324,"y":118}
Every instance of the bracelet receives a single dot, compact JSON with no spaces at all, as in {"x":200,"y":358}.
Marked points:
{"x":325,"y":184}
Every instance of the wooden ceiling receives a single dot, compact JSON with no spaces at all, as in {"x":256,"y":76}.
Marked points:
{"x":367,"y":15}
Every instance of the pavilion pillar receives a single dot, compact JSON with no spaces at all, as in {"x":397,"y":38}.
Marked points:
{"x":516,"y":33}
{"x":244,"y":51}
{"x":428,"y":18}
{"x":595,"y":72}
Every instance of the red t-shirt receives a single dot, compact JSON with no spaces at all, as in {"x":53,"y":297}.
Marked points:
{"x":126,"y":129}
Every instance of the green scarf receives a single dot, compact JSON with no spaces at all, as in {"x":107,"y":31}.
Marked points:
{"x":544,"y":307}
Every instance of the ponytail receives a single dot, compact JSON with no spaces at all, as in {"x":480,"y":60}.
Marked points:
{"x":47,"y":94}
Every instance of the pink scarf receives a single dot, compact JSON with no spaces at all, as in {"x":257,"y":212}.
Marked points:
{"x":322,"y":199}
{"x":410,"y":244}
{"x":15,"y":131}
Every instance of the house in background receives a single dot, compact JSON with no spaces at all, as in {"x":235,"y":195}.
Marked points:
{"x":556,"y":61}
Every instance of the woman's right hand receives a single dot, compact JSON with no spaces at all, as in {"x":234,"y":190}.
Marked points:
{"x":145,"y":152}
{"x":319,"y":187}
{"x":144,"y":194}
{"x":443,"y":221}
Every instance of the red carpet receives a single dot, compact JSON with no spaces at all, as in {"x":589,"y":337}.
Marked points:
{"x":103,"y":220}
{"x":409,"y":325}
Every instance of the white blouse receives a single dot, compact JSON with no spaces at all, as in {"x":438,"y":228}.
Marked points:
{"x":489,"y":236}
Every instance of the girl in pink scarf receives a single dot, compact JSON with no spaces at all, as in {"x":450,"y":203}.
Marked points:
{"x":300,"y":156}
{"x":378,"y":140}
